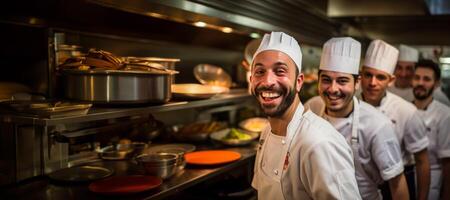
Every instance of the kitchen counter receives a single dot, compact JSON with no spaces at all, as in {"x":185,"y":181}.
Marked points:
{"x":44,"y":188}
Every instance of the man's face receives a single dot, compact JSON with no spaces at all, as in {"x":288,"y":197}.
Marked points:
{"x":374,"y":83}
{"x":337,"y":89}
{"x":274,"y":82}
{"x":404,"y":72}
{"x":423,"y":83}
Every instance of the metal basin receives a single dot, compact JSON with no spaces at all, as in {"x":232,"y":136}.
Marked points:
{"x":163,"y":165}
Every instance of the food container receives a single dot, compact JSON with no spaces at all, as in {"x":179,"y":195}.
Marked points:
{"x":221,"y":137}
{"x":121,"y":151}
{"x":196,"y":132}
{"x":118,"y":86}
{"x":162,"y":165}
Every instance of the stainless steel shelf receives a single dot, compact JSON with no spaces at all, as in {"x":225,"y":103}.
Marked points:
{"x":99,"y":113}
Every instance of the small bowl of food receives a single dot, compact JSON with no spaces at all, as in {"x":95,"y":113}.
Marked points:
{"x":255,"y":124}
{"x":234,"y":137}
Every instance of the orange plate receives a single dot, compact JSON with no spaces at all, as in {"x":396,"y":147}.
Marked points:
{"x":213,"y":157}
{"x":125,"y":184}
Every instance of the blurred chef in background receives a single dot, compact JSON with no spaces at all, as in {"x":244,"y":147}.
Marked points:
{"x":376,"y":150}
{"x":404,"y":73}
{"x":377,"y":74}
{"x":300,"y":155}
{"x":437,"y":121}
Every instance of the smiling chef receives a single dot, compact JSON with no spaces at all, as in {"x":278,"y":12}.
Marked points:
{"x":371,"y":134}
{"x":300,"y":155}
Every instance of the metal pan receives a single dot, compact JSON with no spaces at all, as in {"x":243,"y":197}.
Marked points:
{"x":80,"y":174}
{"x":118,"y":86}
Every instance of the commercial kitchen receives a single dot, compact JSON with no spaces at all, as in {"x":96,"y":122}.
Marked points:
{"x":151,"y":99}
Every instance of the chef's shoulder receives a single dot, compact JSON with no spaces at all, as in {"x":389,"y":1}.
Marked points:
{"x":317,"y":132}
{"x":371,"y":118}
{"x":440,"y":110}
{"x":315,"y":104}
{"x":401,"y":106}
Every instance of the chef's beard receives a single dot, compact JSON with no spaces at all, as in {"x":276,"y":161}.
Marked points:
{"x":287,"y":95}
{"x":420,"y":96}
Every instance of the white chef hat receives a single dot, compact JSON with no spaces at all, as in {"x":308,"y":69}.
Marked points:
{"x":282,"y":42}
{"x":382,"y":56}
{"x":408,"y":54}
{"x":341,"y":54}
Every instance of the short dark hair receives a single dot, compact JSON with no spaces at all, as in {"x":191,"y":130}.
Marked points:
{"x":429,"y":64}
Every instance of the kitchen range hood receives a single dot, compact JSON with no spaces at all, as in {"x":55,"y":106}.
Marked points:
{"x":253,"y":18}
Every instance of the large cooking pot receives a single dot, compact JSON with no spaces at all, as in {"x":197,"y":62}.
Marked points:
{"x":118,"y":86}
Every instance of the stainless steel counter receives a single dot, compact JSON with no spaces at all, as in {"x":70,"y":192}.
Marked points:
{"x":99,"y":113}
{"x":43,"y":188}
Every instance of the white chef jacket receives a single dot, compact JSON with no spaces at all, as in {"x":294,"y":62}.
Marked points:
{"x":378,"y":152}
{"x":437,"y":122}
{"x":408,"y":94}
{"x":317,"y":162}
{"x":405,"y":93}
{"x":409,"y":127}
{"x":440,"y":96}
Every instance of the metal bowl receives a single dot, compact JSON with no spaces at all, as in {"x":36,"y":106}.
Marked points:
{"x":212,"y":75}
{"x":121,"y":151}
{"x":181,"y":163}
{"x":163,"y":165}
{"x":250,"y":49}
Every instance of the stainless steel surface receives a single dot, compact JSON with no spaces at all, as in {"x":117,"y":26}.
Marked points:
{"x":50,"y":109}
{"x":112,"y":86}
{"x":234,"y":96}
{"x":38,"y":150}
{"x":311,"y":25}
{"x":40,"y":188}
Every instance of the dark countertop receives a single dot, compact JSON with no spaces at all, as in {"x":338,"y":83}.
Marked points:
{"x":44,"y":188}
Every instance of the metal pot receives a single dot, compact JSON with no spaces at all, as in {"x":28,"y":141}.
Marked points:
{"x":118,"y":86}
{"x":162,"y":165}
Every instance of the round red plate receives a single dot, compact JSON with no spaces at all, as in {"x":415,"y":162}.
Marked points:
{"x":125,"y":184}
{"x":213,"y":157}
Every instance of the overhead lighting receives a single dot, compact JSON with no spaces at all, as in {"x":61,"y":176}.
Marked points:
{"x":200,"y":24}
{"x":255,"y":35}
{"x":227,"y":30}
{"x":157,"y":15}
